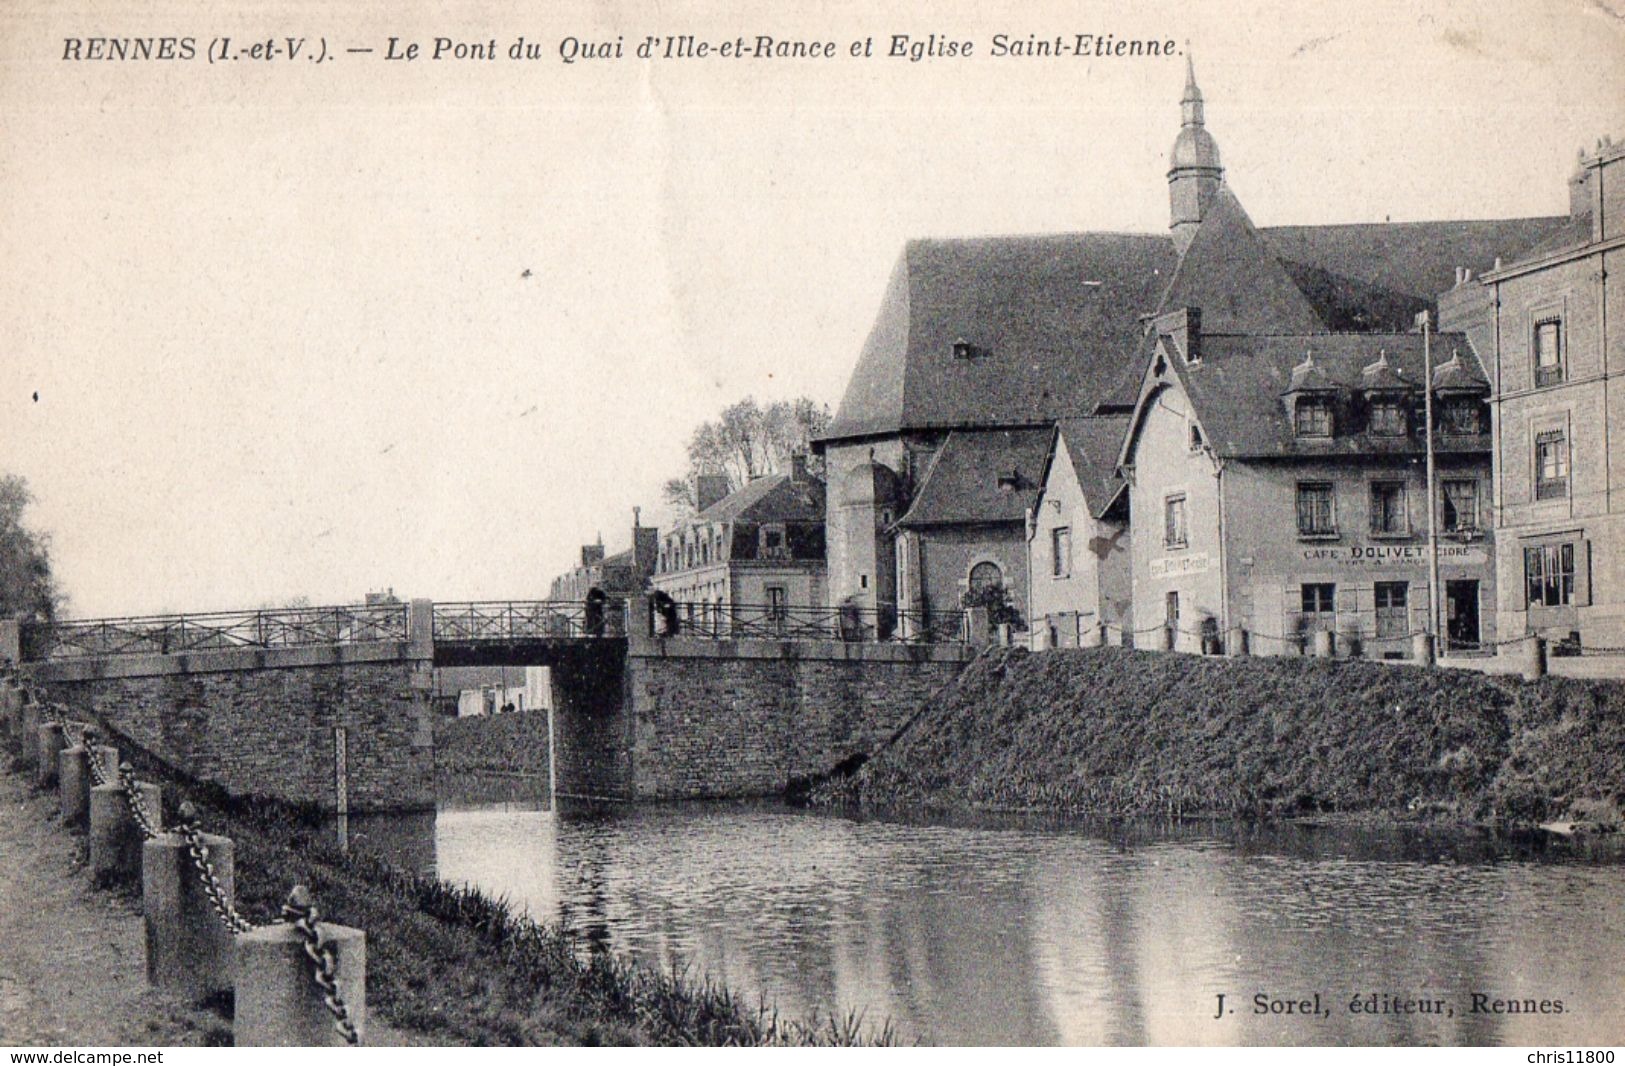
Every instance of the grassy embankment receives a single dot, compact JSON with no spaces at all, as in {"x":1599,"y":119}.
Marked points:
{"x":511,"y":744}
{"x":1123,"y":733}
{"x":464,"y":968}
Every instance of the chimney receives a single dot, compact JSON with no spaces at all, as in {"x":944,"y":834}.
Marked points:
{"x":1580,"y":189}
{"x":1184,"y":325}
{"x":708,"y":489}
{"x":645,"y":549}
{"x":798,"y":466}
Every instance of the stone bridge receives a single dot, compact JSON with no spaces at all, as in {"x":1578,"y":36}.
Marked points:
{"x":331,"y":706}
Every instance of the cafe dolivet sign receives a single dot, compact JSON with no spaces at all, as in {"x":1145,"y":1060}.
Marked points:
{"x":1380,"y":556}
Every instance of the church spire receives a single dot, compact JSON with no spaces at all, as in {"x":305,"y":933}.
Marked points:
{"x":1194,"y":170}
{"x":1190,"y":105}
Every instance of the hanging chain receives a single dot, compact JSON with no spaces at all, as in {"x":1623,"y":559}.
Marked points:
{"x":186,"y":826}
{"x":301,"y":911}
{"x":132,"y":796}
{"x":93,"y":764}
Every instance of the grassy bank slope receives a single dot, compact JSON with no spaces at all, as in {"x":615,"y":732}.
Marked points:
{"x":1108,"y":731}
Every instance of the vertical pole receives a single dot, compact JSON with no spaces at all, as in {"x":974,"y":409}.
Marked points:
{"x":1434,"y":613}
{"x":552,"y":757}
{"x":341,"y":770}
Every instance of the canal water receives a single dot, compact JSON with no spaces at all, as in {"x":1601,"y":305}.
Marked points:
{"x":1017,"y":933}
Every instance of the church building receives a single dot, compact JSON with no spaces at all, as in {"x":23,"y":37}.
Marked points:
{"x":982,"y":345}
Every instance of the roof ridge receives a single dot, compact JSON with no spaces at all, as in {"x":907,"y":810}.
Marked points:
{"x":1412,"y":222}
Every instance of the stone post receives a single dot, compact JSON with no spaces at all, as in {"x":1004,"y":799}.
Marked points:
{"x":11,"y":642}
{"x":1005,"y":634}
{"x":188,"y":949}
{"x":28,"y":720}
{"x":420,"y":628}
{"x":115,"y":839}
{"x":49,"y":741}
{"x":278,"y":1003}
{"x":1534,"y":662}
{"x":1240,"y":647}
{"x":11,"y":707}
{"x":1103,"y":636}
{"x":1325,"y":646}
{"x":1422,"y":649}
{"x":73,"y":783}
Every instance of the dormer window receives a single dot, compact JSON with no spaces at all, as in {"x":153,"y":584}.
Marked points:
{"x":1388,"y":419}
{"x":964,"y":349}
{"x":1313,"y":417}
{"x":1461,"y":415}
{"x":1010,"y":482}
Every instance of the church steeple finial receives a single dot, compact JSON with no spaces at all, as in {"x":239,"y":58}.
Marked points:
{"x":1190,"y":105}
{"x":1194,"y":170}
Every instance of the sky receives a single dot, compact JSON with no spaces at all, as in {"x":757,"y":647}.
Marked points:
{"x":305,"y":329}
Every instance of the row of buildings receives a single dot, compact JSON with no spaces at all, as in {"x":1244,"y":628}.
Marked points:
{"x":1219,"y":427}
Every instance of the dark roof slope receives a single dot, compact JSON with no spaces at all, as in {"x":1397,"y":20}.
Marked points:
{"x":771,"y":498}
{"x":1237,"y":390}
{"x":1415,"y":259}
{"x":964,"y":481}
{"x":1051,"y":320}
{"x":1235,"y":278}
{"x":1054,"y":321}
{"x":1092,"y":444}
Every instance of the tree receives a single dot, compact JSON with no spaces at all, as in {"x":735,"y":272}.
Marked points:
{"x":745,"y":441}
{"x":28,"y":591}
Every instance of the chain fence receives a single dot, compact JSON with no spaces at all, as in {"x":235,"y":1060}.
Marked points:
{"x":300,"y":911}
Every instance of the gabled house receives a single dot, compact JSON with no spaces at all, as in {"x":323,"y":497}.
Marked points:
{"x":1079,"y":538}
{"x":750,"y":556}
{"x":1277,"y":483}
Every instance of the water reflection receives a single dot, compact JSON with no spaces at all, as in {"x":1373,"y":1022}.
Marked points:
{"x":999,"y":933}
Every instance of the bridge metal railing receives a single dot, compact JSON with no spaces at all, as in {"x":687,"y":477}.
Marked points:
{"x":759,"y":621}
{"x":516,"y":620}
{"x":171,"y":634}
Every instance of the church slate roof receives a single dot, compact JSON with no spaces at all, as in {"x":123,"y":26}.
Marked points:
{"x":1053,"y":322}
{"x":982,"y":475}
{"x":1050,"y":320}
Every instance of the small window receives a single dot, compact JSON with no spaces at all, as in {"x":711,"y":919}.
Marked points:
{"x":1317,"y":515}
{"x":1461,"y":506}
{"x":1549,"y":574}
{"x":1389,"y":516}
{"x":1551,"y":465}
{"x":863,"y":581}
{"x":1173,"y":525}
{"x":1314,"y":418}
{"x":1462,"y":416}
{"x":1388,"y":419}
{"x":778,"y":608}
{"x":1195,"y":437}
{"x":1319,"y":605}
{"x":1548,"y":352}
{"x":1061,"y":552}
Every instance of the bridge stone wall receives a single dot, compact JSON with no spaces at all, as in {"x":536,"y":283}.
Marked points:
{"x":702,"y":718}
{"x":263,"y":722}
